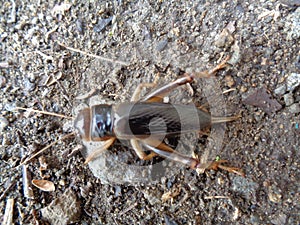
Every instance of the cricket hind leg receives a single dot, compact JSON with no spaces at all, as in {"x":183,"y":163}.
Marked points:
{"x":158,"y":94}
{"x":139,"y":150}
{"x":168,"y":152}
{"x":165,"y":151}
{"x":161,"y":150}
{"x":215,"y":165}
{"x":223,"y":119}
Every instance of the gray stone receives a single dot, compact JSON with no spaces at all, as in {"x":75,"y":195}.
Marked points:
{"x":295,"y":108}
{"x":63,"y":210}
{"x":288,"y":99}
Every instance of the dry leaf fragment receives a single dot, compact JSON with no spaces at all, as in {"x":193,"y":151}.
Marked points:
{"x":44,"y":185}
{"x":262,"y":99}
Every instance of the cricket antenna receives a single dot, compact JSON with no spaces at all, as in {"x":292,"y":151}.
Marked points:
{"x":44,"y":112}
{"x":53,"y":143}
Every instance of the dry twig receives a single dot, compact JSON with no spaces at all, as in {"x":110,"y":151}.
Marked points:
{"x":8,"y":215}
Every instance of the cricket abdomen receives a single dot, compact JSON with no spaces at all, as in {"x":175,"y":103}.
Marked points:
{"x":145,"y":119}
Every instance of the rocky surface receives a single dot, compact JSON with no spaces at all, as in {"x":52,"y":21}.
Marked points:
{"x":142,"y":41}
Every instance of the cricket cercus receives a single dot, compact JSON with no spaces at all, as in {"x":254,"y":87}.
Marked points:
{"x":135,"y":121}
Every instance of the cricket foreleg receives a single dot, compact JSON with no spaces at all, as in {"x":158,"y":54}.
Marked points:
{"x":99,"y":151}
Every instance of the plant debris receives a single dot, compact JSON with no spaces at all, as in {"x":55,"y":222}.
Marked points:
{"x":44,"y":185}
{"x":262,"y":99}
{"x":9,"y":212}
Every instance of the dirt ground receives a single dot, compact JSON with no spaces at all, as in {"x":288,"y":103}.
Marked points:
{"x":143,"y":41}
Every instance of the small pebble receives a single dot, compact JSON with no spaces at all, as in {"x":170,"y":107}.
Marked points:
{"x":229,"y":81}
{"x":224,"y":38}
{"x":62,"y":182}
{"x":3,"y":123}
{"x":279,"y":219}
{"x":280,"y":90}
{"x":102,"y":23}
{"x":28,"y":86}
{"x":295,"y":108}
{"x":274,"y":194}
{"x":291,"y":2}
{"x":243,"y":89}
{"x":162,"y":45}
{"x":2,"y":81}
{"x":293,"y":81}
{"x":79,"y":26}
{"x":288,"y":99}
{"x":118,"y":191}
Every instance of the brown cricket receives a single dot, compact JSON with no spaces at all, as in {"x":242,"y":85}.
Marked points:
{"x":146,"y":121}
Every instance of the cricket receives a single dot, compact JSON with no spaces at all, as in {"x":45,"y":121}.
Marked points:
{"x":136,"y":121}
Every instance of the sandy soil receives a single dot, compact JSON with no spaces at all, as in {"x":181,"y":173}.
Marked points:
{"x":147,"y":41}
